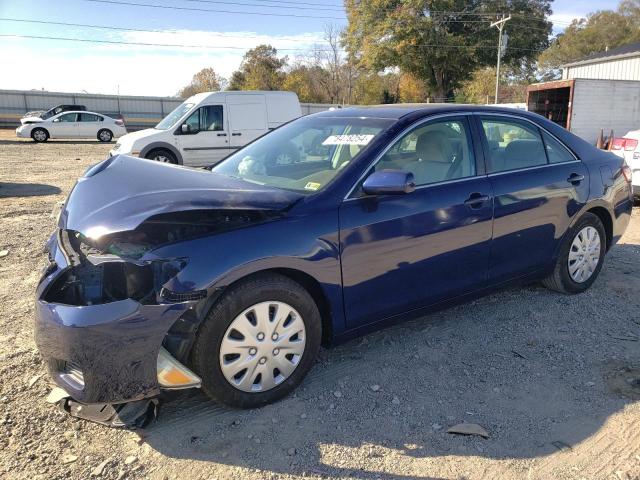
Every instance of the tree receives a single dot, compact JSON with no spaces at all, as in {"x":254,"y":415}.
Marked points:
{"x":480,"y":88}
{"x":261,"y":69}
{"x":442,"y":41}
{"x":412,"y":89}
{"x":206,"y":80}
{"x":598,"y":32}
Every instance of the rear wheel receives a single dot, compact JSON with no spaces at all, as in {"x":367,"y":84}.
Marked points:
{"x":161,"y":155}
{"x":39,"y":135}
{"x":581,"y":257}
{"x":258,"y":342}
{"x":105,"y":135}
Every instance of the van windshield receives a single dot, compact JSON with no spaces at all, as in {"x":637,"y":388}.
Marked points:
{"x":171,"y":119}
{"x":304,"y":155}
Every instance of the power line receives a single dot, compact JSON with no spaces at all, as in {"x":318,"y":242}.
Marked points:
{"x":194,"y":9}
{"x":144,"y":44}
{"x":262,"y":5}
{"x":172,"y":45}
{"x":125,"y":29}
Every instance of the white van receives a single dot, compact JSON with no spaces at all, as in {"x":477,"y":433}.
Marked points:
{"x":209,"y":126}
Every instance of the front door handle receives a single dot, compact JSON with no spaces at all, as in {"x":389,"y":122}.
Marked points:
{"x":476,"y":200}
{"x":575,"y":178}
{"x":236,"y":134}
{"x":222,"y":134}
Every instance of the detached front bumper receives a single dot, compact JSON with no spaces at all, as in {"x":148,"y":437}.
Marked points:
{"x":103,"y":353}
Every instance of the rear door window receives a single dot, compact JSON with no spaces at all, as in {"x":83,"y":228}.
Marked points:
{"x":89,"y":117}
{"x":512,"y":144}
{"x":556,"y":151}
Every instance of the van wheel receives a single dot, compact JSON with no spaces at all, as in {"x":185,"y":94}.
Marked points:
{"x":105,"y":135}
{"x":258,"y":342}
{"x":581,"y":257}
{"x":162,"y":155}
{"x":39,"y":135}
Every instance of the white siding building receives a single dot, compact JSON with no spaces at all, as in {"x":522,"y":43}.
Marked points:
{"x":621,"y":63}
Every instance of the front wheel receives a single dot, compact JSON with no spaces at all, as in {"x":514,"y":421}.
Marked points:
{"x":161,"y":155}
{"x":581,"y":257}
{"x":39,"y":135}
{"x":105,"y":135}
{"x":258,"y":342}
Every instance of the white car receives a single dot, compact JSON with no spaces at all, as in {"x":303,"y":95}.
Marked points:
{"x":73,"y":125}
{"x":628,"y":147}
{"x":210,"y":126}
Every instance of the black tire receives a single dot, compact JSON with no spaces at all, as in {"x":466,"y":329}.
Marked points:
{"x":560,"y":280}
{"x":105,"y":135}
{"x":40,"y":131}
{"x":162,"y":155}
{"x":206,"y":351}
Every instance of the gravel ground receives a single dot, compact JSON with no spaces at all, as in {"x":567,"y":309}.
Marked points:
{"x":550,"y":377}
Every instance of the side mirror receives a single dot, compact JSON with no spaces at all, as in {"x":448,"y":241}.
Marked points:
{"x":389,"y":182}
{"x":186,"y":129}
{"x":56,"y":120}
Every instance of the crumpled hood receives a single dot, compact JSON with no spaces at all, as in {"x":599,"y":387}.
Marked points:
{"x":26,"y":120}
{"x":122,"y":192}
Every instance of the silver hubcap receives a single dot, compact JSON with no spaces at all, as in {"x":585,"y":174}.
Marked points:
{"x":584,"y":254}
{"x":39,"y":135}
{"x":262,"y":346}
{"x":105,"y":136}
{"x":161,"y":158}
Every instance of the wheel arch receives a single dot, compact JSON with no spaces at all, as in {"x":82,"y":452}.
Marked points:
{"x":607,"y":221}
{"x":33,"y":129}
{"x":306,"y":281}
{"x":158,"y":145}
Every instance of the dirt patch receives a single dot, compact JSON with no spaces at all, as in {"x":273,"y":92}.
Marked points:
{"x":525,"y":364}
{"x":624,"y":380}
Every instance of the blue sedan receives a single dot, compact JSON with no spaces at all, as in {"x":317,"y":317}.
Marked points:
{"x":231,"y":278}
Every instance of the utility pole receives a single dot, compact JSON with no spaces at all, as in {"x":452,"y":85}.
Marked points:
{"x":500,"y":26}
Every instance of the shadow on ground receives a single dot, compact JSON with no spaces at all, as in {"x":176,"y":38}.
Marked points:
{"x":10,"y":189}
{"x":539,"y":370}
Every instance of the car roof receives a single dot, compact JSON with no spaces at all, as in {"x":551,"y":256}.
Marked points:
{"x":81,"y":111}
{"x":397,"y":111}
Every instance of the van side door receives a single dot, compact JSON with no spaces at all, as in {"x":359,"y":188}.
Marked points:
{"x":203,"y":137}
{"x":247,"y":118}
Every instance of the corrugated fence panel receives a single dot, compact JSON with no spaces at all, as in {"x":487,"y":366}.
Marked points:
{"x":138,"y":112}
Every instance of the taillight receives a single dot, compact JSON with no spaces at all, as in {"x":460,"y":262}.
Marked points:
{"x":626,"y":172}
{"x":120,"y":123}
{"x":617,"y":143}
{"x":630,"y":144}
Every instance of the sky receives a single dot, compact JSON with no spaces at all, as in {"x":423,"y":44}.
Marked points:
{"x":226,"y":27}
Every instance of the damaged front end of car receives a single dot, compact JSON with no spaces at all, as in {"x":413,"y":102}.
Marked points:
{"x":115,"y":322}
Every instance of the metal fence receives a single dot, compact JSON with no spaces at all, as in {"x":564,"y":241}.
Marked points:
{"x":138,"y":112}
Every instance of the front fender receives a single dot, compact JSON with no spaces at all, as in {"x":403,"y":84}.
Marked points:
{"x":308,"y":245}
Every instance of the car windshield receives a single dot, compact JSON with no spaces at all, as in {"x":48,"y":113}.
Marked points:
{"x":50,"y":113}
{"x":171,"y":119}
{"x":304,"y":155}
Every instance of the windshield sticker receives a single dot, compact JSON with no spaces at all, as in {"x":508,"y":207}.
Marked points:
{"x":312,"y":186}
{"x":348,"y":140}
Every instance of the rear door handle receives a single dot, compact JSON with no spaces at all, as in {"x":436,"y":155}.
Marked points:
{"x":236,"y":134}
{"x":575,"y":178}
{"x":222,"y":134}
{"x":476,"y":200}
